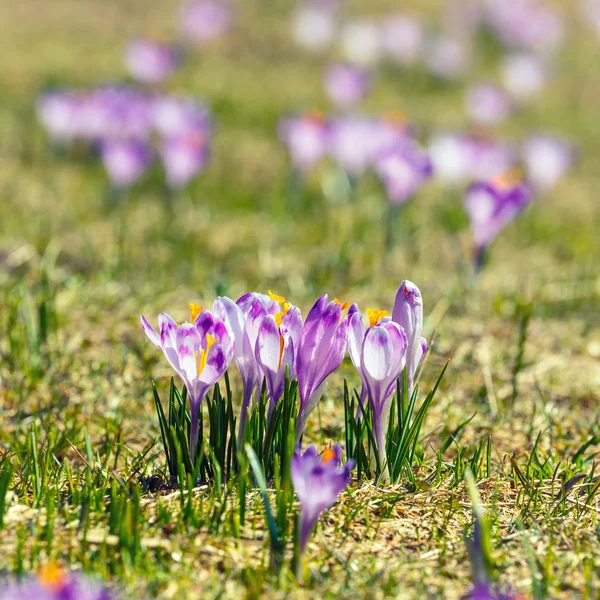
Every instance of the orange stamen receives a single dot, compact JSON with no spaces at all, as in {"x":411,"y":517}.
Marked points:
{"x":52,"y":577}
{"x":328,"y":454}
{"x":511,"y":177}
{"x":343,"y":304}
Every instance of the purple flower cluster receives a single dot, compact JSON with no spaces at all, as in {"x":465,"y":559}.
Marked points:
{"x":130,"y":127}
{"x":267,"y":338}
{"x":52,"y":583}
{"x":357,"y":144}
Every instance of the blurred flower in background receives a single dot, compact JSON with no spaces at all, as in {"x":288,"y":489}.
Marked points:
{"x":314,"y":26}
{"x":345,"y":84}
{"x":306,"y":138}
{"x":184,"y":156}
{"x":487,"y":104}
{"x":203,"y":21}
{"x":360,"y":42}
{"x":547,"y":160}
{"x":151,"y":62}
{"x":523,"y":75}
{"x":447,"y":57}
{"x":125,"y":161}
{"x":402,"y":39}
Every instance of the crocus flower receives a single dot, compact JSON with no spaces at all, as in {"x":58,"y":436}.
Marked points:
{"x":491,"y":206}
{"x":447,"y":57}
{"x":547,"y":160}
{"x":184,"y":156}
{"x":379,"y":355}
{"x":525,"y":24}
{"x":57,"y":111}
{"x":173,"y":116}
{"x":125,"y":161}
{"x":408,"y":313}
{"x":523,"y":75}
{"x":314,"y":27}
{"x":361,"y":42}
{"x":403,"y":170}
{"x":321,"y":349}
{"x":199,"y":352}
{"x":353,"y":143}
{"x":276,"y":347}
{"x":401,"y":39}
{"x":345,"y":84}
{"x":151,"y":62}
{"x":52,"y":583}
{"x":487,"y":104}
{"x":317,"y":481}
{"x":306,"y":138}
{"x":203,"y":21}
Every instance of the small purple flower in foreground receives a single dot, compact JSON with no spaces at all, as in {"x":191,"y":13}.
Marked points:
{"x":403,"y":170}
{"x":487,"y":104}
{"x":306,"y":138}
{"x":203,"y":21}
{"x":491,"y":206}
{"x":200,"y":354}
{"x":151,"y":62}
{"x":52,"y":583}
{"x":379,"y":357}
{"x":320,"y":352}
{"x":547,"y":160}
{"x":125,"y":161}
{"x":318,"y":481}
{"x":184,"y":156}
{"x":345,"y":84}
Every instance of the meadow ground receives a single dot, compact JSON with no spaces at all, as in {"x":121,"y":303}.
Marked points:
{"x":76,"y":408}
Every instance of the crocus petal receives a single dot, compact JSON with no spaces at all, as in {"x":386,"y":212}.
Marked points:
{"x":152,"y":334}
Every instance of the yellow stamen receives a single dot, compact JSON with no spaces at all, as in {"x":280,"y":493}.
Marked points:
{"x":509,"y":178}
{"x":52,"y":577}
{"x":195,"y":309}
{"x":201,"y":361}
{"x":279,"y":316}
{"x":375,"y":316}
{"x":275,"y":297}
{"x":328,"y":454}
{"x":344,"y":304}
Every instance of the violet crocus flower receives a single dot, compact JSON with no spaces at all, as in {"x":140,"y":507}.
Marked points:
{"x":402,"y":39}
{"x":491,"y":206}
{"x":547,"y":160}
{"x":199,"y":352}
{"x":346,"y":85}
{"x":354,"y":142}
{"x":151,"y":62}
{"x":379,"y":355}
{"x":403,"y":170}
{"x":172,"y":116}
{"x":276,"y":348}
{"x":487,"y":104}
{"x":184,"y":156}
{"x":408,"y":313}
{"x":203,"y":21}
{"x":523,"y":76}
{"x":317,"y":481}
{"x":52,"y":583}
{"x":306,"y":138}
{"x":125,"y":161}
{"x":244,"y":319}
{"x":321,"y":349}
